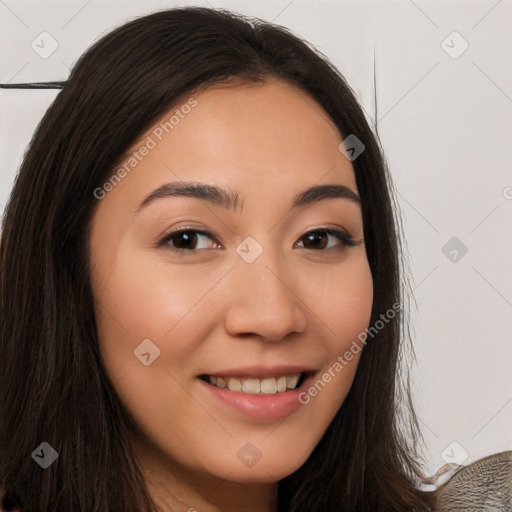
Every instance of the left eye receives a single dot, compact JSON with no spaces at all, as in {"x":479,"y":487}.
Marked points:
{"x":319,"y":239}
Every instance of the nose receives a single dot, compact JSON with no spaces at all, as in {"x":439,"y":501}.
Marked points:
{"x":262,"y":300}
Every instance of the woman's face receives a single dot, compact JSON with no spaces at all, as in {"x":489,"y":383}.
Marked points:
{"x":254,"y":292}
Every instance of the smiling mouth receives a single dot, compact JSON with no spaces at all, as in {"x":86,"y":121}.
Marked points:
{"x":255,"y":386}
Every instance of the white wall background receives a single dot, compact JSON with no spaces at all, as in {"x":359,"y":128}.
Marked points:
{"x":444,"y":115}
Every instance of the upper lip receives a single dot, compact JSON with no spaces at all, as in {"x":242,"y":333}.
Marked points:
{"x":262,"y":371}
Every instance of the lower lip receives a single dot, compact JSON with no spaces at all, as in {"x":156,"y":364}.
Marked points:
{"x":261,"y":407}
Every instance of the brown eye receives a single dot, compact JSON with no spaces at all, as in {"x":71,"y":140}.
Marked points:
{"x":187,"y":240}
{"x":315,"y":240}
{"x":320,"y":239}
{"x":184,"y":240}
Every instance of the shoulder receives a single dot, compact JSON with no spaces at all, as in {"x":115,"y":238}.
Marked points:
{"x":484,"y":485}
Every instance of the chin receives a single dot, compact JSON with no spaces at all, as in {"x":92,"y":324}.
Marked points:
{"x":263,"y":470}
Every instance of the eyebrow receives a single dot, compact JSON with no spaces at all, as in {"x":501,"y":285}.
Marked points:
{"x":228,"y":198}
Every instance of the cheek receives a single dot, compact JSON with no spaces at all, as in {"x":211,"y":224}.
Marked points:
{"x":172,"y":308}
{"x":342,"y":300}
{"x":143,"y":299}
{"x":342,"y":305}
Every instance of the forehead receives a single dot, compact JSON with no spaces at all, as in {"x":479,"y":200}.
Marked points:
{"x":262,"y":138}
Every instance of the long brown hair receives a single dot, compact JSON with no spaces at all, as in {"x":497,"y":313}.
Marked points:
{"x":53,"y":385}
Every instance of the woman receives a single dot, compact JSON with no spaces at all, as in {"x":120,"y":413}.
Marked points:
{"x":200,"y":285}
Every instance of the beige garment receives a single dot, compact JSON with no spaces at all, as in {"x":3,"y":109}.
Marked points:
{"x":483,"y":486}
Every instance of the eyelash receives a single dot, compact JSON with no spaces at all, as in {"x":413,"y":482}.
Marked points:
{"x":346,"y":240}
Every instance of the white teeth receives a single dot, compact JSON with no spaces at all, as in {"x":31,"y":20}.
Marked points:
{"x":291,"y":381}
{"x":234,"y":384}
{"x":269,"y":386}
{"x":253,"y":386}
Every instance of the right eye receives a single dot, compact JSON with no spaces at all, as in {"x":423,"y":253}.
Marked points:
{"x":187,"y":240}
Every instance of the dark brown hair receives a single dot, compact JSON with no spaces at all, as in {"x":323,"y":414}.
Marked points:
{"x":53,"y":385}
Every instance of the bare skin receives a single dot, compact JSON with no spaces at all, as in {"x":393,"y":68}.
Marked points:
{"x":301,"y":302}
